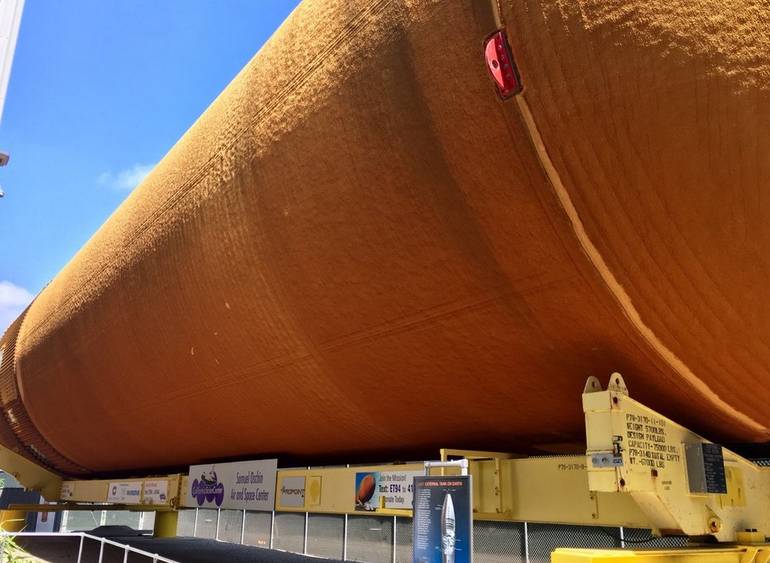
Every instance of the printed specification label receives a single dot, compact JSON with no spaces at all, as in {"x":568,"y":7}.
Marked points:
{"x":647,"y":443}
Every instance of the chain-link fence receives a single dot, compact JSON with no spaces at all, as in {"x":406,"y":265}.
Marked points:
{"x":258,"y":528}
{"x":370,"y":539}
{"x":387,"y":539}
{"x":326,"y":535}
{"x":87,"y":520}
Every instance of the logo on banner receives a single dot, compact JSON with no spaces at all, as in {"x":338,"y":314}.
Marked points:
{"x":128,"y":492}
{"x":241,"y":485}
{"x":155,"y":492}
{"x":293,"y":491}
{"x":208,"y":489}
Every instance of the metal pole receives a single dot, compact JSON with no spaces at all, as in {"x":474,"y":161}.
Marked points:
{"x":272,"y":528}
{"x":101,"y":549}
{"x":526,"y":543}
{"x":394,"y":538}
{"x":461,"y":463}
{"x":243,"y":526}
{"x":622,"y":538}
{"x":80,"y":549}
{"x":125,"y":555}
{"x":307,"y":518}
{"x":195,"y":524}
{"x":216,"y":534}
{"x":345,"y":533}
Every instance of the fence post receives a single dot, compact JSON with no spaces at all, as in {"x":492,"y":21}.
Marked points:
{"x":307,"y":521}
{"x":394,"y":538}
{"x":526,"y":543}
{"x":345,"y":533}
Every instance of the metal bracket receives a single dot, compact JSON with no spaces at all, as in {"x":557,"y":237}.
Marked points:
{"x":606,"y":459}
{"x":593,"y":385}
{"x":617,"y":384}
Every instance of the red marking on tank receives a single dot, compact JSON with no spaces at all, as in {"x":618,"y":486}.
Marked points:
{"x":501,"y":65}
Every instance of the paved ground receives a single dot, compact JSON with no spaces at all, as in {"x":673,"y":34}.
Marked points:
{"x":184,"y":550}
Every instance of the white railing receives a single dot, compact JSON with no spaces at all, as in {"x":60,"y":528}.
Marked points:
{"x":83,"y":537}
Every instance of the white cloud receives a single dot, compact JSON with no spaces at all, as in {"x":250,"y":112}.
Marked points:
{"x":125,"y":180}
{"x":13,"y":300}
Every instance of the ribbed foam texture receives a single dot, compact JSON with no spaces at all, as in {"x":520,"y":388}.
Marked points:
{"x":360,"y":252}
{"x":17,"y":430}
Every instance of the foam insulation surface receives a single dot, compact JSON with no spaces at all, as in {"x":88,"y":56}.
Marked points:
{"x":359,"y":249}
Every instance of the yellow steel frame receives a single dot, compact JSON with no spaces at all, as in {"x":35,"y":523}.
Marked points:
{"x":32,"y":476}
{"x":334,"y":489}
{"x":165,"y":524}
{"x":634,"y":474}
{"x":647,"y":463}
{"x":97,"y":490}
{"x":539,"y":489}
{"x":733,"y":554}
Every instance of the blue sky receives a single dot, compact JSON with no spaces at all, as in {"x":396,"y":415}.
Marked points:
{"x":99,"y":91}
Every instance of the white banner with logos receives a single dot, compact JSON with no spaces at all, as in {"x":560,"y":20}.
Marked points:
{"x":155,"y":492}
{"x":125,"y":492}
{"x":243,"y":485}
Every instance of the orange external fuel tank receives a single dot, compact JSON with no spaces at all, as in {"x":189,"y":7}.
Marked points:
{"x":360,"y":249}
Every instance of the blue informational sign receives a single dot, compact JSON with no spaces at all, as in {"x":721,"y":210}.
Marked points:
{"x":443,"y":520}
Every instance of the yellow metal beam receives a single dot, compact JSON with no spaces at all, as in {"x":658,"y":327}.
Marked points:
{"x":735,"y":554}
{"x":551,"y":489}
{"x":165,"y":524}
{"x":33,"y":476}
{"x":97,"y":491}
{"x":12,"y":520}
{"x":332,"y":490}
{"x":634,"y":452}
{"x":635,"y":474}
{"x":446,"y":453}
{"x":89,"y":507}
{"x":540,"y":489}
